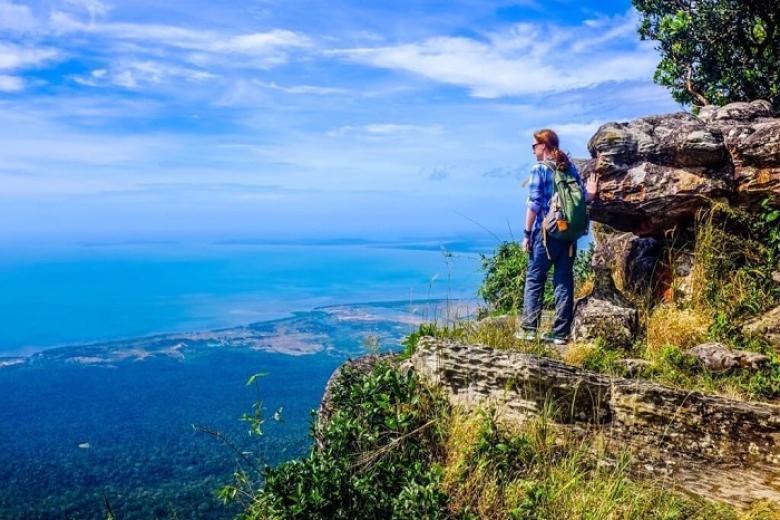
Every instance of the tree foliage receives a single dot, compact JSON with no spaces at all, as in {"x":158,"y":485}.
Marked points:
{"x":715,"y":51}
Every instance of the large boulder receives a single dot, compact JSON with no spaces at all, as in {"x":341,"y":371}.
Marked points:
{"x":656,"y":173}
{"x":601,"y":318}
{"x":633,"y":261}
{"x":717,"y":357}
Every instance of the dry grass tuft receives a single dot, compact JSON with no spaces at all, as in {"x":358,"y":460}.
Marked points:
{"x":679,"y":327}
{"x":585,"y":288}
{"x":576,"y":353}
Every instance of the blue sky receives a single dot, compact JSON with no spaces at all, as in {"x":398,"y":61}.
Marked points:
{"x":124,"y":120}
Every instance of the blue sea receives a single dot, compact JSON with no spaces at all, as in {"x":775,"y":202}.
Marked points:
{"x":117,"y":359}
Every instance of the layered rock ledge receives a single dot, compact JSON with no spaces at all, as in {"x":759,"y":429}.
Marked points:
{"x":705,"y":444}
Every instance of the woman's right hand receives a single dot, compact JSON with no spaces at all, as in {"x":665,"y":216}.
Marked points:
{"x":527,"y":245}
{"x":592,"y":188}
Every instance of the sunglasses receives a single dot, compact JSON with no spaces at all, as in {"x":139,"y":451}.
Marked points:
{"x":533,"y":146}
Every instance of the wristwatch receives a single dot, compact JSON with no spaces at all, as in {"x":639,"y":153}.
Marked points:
{"x":528,"y":233}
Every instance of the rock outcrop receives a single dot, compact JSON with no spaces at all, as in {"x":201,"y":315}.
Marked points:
{"x":657,"y":172}
{"x":603,"y":318}
{"x":656,"y":175}
{"x":705,"y":442}
{"x":751,"y":136}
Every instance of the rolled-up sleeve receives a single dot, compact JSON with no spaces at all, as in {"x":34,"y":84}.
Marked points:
{"x":536,"y":189}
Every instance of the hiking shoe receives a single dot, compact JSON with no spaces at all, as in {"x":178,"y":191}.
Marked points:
{"x":526,"y":335}
{"x":555,"y":340}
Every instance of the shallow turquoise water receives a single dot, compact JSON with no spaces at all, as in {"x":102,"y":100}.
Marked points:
{"x":95,"y":293}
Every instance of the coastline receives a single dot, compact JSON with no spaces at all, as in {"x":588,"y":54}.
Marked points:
{"x":272,"y":335}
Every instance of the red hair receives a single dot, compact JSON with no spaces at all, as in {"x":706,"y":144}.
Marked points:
{"x":550,"y":141}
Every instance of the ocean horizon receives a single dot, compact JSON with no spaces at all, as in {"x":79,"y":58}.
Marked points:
{"x":88,"y":292}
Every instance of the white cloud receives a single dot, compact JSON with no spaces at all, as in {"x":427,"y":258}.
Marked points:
{"x":270,"y":44}
{"x":576,"y":131}
{"x":387,"y":130}
{"x":527,"y":59}
{"x":135,"y":74}
{"x":260,"y":43}
{"x":11,"y":83}
{"x":15,"y":17}
{"x":14,"y":57}
{"x":303,"y":89}
{"x":608,"y":29}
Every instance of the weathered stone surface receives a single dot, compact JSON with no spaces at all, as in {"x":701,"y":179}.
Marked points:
{"x":633,"y":261}
{"x":767,"y":325}
{"x":648,"y":199}
{"x":523,"y":383}
{"x":669,"y":430}
{"x":757,"y":110}
{"x":688,"y":423}
{"x":679,"y":139}
{"x":657,"y":172}
{"x":595,"y":317}
{"x":753,"y":144}
{"x":717,"y":357}
{"x":605,"y":313}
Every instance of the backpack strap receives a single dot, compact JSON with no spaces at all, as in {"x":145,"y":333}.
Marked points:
{"x":544,"y":241}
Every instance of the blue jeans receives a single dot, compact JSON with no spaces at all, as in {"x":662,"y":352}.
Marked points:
{"x":562,"y":258}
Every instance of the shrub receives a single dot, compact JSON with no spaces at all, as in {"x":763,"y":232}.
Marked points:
{"x":378,"y":458}
{"x":505,"y":271}
{"x":504,"y":280}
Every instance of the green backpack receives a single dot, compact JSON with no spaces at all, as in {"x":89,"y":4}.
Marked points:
{"x":567,"y":218}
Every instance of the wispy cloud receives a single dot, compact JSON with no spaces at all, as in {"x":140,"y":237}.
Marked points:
{"x":16,"y":17}
{"x":11,"y":83}
{"x":95,"y":8}
{"x":263,"y":48}
{"x":526,"y":59}
{"x":137,"y":74}
{"x":304,"y":89}
{"x":387,"y":130}
{"x":13,"y":56}
{"x":19,"y":58}
{"x":219,"y":113}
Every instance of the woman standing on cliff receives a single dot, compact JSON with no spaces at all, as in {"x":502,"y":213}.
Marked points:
{"x":549,"y":252}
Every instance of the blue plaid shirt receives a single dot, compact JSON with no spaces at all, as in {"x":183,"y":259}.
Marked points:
{"x":541,"y":190}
